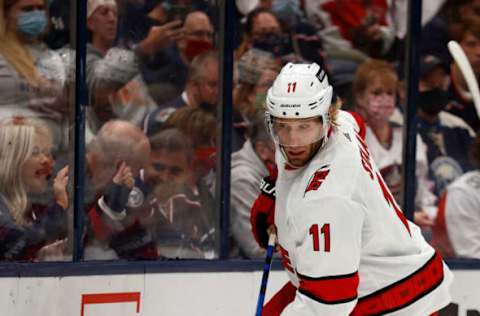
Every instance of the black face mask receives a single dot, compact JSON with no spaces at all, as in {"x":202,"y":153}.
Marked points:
{"x":433,"y":101}
{"x":278,"y":44}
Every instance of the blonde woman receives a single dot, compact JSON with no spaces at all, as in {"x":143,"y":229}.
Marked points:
{"x":33,"y":76}
{"x":25,"y":166}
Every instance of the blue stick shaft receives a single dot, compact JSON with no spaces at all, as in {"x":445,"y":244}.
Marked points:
{"x":266,"y":272}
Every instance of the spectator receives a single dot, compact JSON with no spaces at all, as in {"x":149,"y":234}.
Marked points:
{"x":435,"y":34}
{"x":467,"y":34}
{"x":256,"y":72}
{"x":201,"y":91}
{"x":110,"y":68}
{"x":264,"y":31}
{"x":365,"y":26}
{"x":199,"y":36}
{"x":341,"y":58}
{"x":200,"y":127}
{"x":375,"y":28}
{"x":115,"y":159}
{"x":433,"y":73}
{"x":167,"y":71}
{"x":446,"y":136}
{"x":456,"y":231}
{"x":25,"y":167}
{"x":374,"y":88}
{"x":33,"y":76}
{"x":306,"y":42}
{"x":196,"y":123}
{"x":185,"y":224}
{"x":250,"y":164}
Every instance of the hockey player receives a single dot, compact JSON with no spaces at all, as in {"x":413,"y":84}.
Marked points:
{"x":455,"y":233}
{"x":345,"y":244}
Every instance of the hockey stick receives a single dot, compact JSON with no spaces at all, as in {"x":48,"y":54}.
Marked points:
{"x":466,"y":69}
{"x":266,"y":272}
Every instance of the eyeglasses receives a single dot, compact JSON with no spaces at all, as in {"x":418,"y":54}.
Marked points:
{"x":173,"y":170}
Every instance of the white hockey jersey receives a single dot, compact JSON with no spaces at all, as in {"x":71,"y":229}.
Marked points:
{"x":389,"y":162}
{"x":456,"y":231}
{"x":345,"y":243}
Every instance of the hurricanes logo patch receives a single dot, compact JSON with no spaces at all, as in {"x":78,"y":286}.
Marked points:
{"x":317,"y":179}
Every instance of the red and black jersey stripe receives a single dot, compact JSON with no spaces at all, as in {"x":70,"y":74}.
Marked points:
{"x":331,"y":289}
{"x":403,"y":292}
{"x":361,"y":124}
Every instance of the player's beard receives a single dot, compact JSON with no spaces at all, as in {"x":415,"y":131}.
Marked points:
{"x":299,"y":156}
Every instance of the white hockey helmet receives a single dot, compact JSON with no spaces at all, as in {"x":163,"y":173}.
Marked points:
{"x":300,"y":91}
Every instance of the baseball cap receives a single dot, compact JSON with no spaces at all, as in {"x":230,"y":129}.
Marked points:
{"x":93,"y":5}
{"x":429,"y":63}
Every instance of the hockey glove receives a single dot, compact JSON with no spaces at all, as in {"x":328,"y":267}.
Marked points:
{"x":263,"y":210}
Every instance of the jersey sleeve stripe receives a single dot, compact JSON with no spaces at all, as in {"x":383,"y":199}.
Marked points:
{"x":361,"y":124}
{"x":331,"y":289}
{"x":403,"y":292}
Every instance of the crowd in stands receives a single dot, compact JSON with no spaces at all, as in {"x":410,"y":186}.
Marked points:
{"x":152,"y":73}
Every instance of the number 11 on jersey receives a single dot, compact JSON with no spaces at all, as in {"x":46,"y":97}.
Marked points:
{"x":325,"y":231}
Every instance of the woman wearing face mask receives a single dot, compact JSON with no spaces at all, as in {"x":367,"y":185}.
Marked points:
{"x":25,"y":166}
{"x":32,"y":75}
{"x":374,"y":90}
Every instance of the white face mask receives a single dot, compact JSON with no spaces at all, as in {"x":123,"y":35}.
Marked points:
{"x":379,"y":109}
